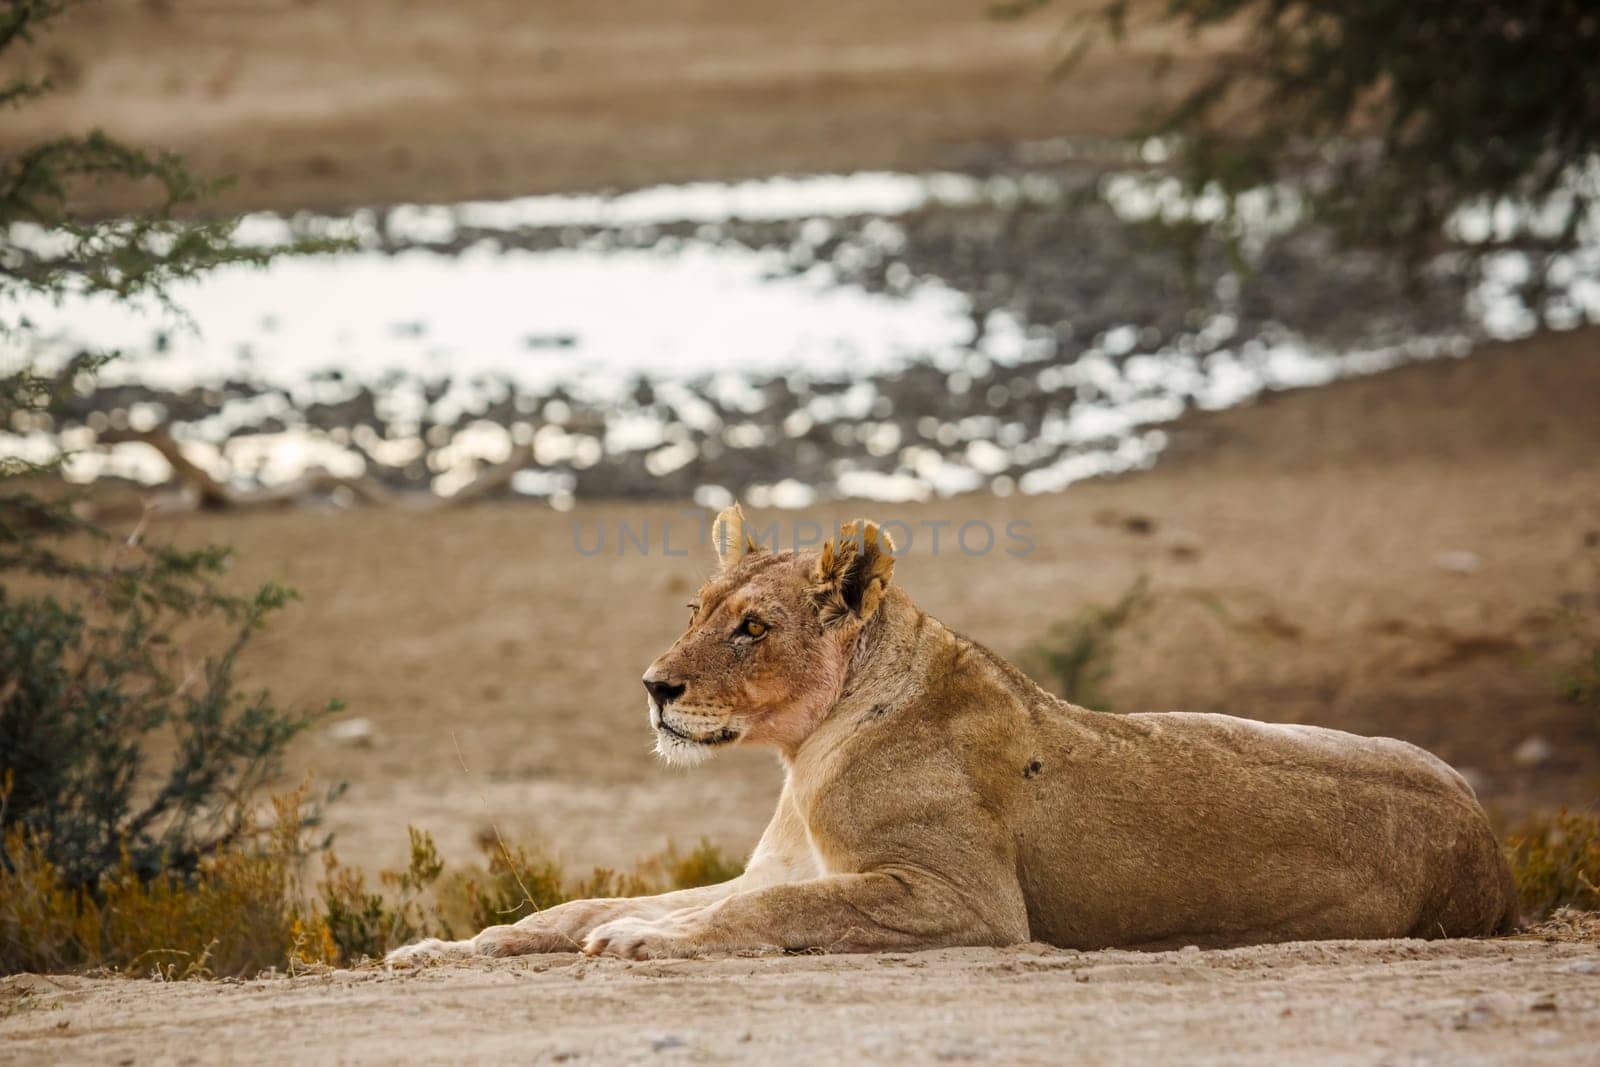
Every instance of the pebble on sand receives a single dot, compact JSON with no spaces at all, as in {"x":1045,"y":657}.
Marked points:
{"x":1533,"y":752}
{"x":356,"y":732}
{"x":1459,"y":561}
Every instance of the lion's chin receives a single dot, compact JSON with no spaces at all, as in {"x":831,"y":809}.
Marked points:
{"x":680,"y":753}
{"x":683,"y":749}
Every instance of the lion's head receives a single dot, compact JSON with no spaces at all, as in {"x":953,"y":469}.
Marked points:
{"x":769,"y":641}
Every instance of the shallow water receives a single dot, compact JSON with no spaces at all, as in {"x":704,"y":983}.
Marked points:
{"x":874,"y":335}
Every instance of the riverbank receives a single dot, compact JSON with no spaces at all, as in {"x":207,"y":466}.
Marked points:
{"x":333,"y":105}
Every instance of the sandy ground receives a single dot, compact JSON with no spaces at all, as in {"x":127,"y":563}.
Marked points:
{"x":1395,"y":1002}
{"x":328,"y":103}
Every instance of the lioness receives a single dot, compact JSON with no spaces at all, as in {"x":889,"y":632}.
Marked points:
{"x":934,"y":796}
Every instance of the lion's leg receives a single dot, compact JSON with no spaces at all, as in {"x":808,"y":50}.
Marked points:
{"x":564,"y":927}
{"x":783,"y":855}
{"x":841,"y":913}
{"x":561,"y":928}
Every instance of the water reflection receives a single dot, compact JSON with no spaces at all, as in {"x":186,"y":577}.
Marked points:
{"x":874,"y":335}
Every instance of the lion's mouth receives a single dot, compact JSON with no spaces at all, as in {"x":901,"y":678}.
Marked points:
{"x":723,"y":736}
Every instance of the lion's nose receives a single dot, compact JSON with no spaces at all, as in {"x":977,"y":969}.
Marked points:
{"x":664,"y":692}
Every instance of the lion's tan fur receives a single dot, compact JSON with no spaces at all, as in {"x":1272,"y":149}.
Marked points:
{"x":935,"y":796}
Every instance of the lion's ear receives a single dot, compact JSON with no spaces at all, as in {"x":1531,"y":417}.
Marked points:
{"x":729,"y":539}
{"x":852,"y":572}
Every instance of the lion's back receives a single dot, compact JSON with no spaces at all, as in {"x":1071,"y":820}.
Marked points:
{"x":1215,"y":829}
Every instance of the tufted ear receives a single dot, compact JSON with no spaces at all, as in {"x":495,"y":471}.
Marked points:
{"x":852,"y":572}
{"x":729,"y":539}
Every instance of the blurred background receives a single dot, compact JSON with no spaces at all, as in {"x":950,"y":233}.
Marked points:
{"x":1283,"y":346}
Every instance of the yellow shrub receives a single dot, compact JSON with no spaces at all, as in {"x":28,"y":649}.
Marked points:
{"x":361,"y":924}
{"x":703,"y":865}
{"x":42,"y":927}
{"x":246,"y":910}
{"x":519,"y":883}
{"x":1557,"y":863}
{"x":232,"y":917}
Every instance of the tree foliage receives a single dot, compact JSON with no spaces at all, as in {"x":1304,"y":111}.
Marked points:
{"x":125,"y":742}
{"x":95,"y":688}
{"x":49,"y":249}
{"x":1460,"y":126}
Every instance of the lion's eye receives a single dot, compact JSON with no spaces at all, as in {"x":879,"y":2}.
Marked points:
{"x":753,"y":628}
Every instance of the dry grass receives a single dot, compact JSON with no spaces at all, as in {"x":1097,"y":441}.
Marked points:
{"x":249,"y":910}
{"x":1567,"y":925}
{"x":237,"y":915}
{"x":517,"y":883}
{"x":1557,"y":863}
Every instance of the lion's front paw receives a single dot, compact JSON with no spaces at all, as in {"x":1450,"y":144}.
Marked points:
{"x":523,"y":940}
{"x":638,"y":939}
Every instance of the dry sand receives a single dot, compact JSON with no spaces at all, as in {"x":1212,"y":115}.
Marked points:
{"x":317,"y":103}
{"x":1452,"y":1002}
